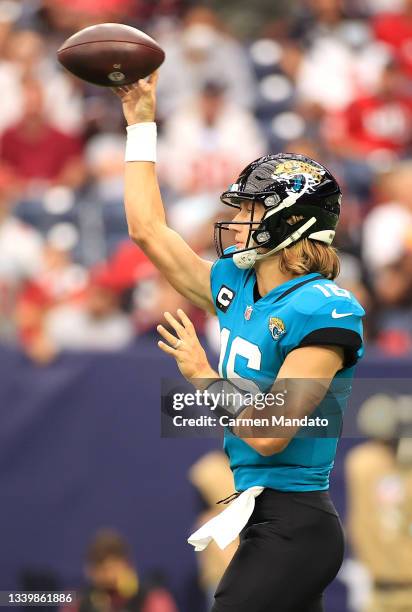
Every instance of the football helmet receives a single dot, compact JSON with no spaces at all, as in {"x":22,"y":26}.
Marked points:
{"x":287,"y":184}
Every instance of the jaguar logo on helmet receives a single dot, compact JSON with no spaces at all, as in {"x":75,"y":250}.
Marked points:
{"x":276,"y":327}
{"x":293,"y":167}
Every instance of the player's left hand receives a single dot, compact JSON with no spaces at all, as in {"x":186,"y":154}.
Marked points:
{"x":185,"y":347}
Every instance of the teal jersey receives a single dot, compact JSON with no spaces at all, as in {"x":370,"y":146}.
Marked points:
{"x":256,"y":337}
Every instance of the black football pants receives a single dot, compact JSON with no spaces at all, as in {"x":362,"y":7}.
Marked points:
{"x":290,"y":550}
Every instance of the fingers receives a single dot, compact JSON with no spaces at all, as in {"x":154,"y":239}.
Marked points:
{"x":149,"y":84}
{"x":166,"y":348}
{"x":172,"y":340}
{"x":182,"y":331}
{"x":142,"y":86}
{"x":153,"y":78}
{"x":178,"y":327}
{"x":186,"y":321}
{"x":121,"y":92}
{"x":117,"y":91}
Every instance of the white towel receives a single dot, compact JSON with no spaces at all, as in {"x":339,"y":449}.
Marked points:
{"x":227,"y":525}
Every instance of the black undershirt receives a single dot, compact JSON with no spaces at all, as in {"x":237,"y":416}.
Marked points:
{"x":256,"y":294}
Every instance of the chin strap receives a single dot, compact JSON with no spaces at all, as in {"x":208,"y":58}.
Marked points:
{"x":245,"y":260}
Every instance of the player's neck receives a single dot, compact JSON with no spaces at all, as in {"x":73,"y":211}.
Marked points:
{"x":268,"y":275}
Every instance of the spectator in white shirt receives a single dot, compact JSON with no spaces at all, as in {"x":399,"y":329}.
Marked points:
{"x":207,"y":142}
{"x":387,"y":229}
{"x":197,"y":53}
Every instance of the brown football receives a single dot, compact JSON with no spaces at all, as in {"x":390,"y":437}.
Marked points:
{"x":110,"y":54}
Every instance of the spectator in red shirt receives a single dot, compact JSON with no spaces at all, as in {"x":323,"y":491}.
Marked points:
{"x":395,"y":29}
{"x":35,"y":150}
{"x":380,"y":123}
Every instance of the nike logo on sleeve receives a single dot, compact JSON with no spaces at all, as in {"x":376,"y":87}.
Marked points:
{"x":339,"y":315}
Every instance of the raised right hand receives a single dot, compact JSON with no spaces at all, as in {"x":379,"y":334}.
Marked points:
{"x":139,"y":100}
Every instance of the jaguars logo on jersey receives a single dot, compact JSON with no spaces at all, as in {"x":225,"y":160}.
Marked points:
{"x":276,"y":327}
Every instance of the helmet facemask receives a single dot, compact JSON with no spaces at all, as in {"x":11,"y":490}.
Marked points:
{"x":227,"y":226}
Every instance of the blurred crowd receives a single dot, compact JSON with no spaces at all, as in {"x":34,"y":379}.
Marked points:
{"x":327,"y":78}
{"x":111,"y":581}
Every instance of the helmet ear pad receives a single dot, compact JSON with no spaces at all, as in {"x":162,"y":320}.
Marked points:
{"x":274,"y":228}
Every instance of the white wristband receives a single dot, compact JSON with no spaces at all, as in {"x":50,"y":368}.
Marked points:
{"x":141,"y":142}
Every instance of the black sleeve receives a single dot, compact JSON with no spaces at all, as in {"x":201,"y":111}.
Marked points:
{"x":348,"y":339}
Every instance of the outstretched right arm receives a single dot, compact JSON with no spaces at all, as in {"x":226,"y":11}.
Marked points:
{"x":188,"y":273}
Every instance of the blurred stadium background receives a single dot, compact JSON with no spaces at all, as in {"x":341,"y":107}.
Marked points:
{"x":79,"y":377}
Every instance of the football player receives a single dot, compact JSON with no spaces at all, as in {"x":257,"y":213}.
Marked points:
{"x":284,"y":324}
